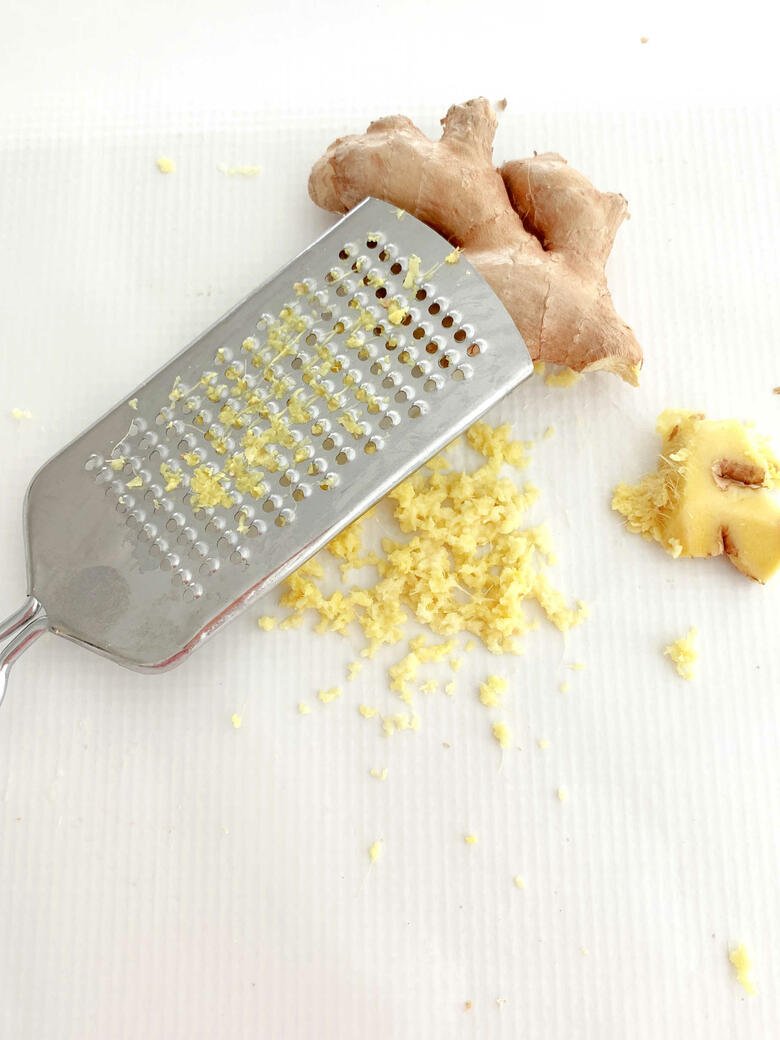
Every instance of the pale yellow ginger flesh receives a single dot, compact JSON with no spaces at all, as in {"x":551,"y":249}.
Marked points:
{"x":743,"y":969}
{"x":460,"y":563}
{"x":501,"y":735}
{"x":375,"y":850}
{"x":537,"y":230}
{"x":714,"y":492}
{"x":492,"y":690}
{"x":684,"y":654}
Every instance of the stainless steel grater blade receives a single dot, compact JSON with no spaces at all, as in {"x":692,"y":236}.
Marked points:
{"x":251,"y":449}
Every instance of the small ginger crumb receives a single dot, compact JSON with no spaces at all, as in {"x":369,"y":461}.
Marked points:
{"x":492,"y":690}
{"x":133,"y":404}
{"x":470,"y":646}
{"x":118,"y":464}
{"x":354,"y":668}
{"x":576,"y":666}
{"x":519,"y":881}
{"x":565,"y":686}
{"x":468,"y":1005}
{"x":562,"y":794}
{"x":429,"y":686}
{"x":470,"y":839}
{"x":684,"y":654}
{"x":743,"y":968}
{"x":643,"y":39}
{"x":413,"y":272}
{"x":539,"y":368}
{"x":456,"y":663}
{"x":378,"y":774}
{"x":165,"y":165}
{"x":584,"y":951}
{"x":776,"y":390}
{"x":563,"y":378}
{"x":543,"y":744}
{"x":501,"y":735}
{"x":453,"y":257}
{"x":136,"y":482}
{"x":21,"y":413}
{"x":303,"y":708}
{"x":548,"y":433}
{"x":400,"y":214}
{"x":367,"y":712}
{"x":375,"y":850}
{"x":267,"y":623}
{"x":237,"y":721}
{"x":331,"y":694}
{"x":449,"y":688}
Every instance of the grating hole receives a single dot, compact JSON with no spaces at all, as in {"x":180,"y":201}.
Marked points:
{"x":381,"y":293}
{"x":378,"y":330}
{"x":311,"y":340}
{"x":401,"y":396}
{"x":447,"y":321}
{"x":458,"y":375}
{"x":371,"y":243}
{"x":473,"y":350}
{"x":390,"y":344}
{"x":434,"y":308}
{"x":404,"y":357}
{"x":460,"y":335}
{"x":343,"y":254}
{"x":418,"y":333}
{"x":430,"y":385}
{"x":406,"y":320}
{"x":384,"y":255}
{"x":396,"y":268}
{"x":431,"y":348}
{"x":444,"y":362}
{"x":342,"y":290}
{"x":421,"y":294}
{"x":326,"y":315}
{"x":415,"y":411}
{"x":268,"y":507}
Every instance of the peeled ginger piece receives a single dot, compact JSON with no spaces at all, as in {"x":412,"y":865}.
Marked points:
{"x":712,"y":493}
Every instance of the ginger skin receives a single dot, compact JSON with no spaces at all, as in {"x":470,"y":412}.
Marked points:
{"x":537,"y":230}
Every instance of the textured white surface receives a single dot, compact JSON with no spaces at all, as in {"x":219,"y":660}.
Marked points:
{"x":167,"y":876}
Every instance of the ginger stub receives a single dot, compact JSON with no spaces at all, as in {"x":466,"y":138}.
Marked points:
{"x":538,"y":231}
{"x":711,"y":494}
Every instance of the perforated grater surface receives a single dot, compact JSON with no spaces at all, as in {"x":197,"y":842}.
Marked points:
{"x":279,"y":426}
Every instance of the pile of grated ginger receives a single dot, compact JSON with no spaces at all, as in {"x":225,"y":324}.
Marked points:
{"x":459,"y":562}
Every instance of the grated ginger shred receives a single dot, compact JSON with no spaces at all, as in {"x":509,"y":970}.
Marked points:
{"x":684,"y":654}
{"x":460,"y":563}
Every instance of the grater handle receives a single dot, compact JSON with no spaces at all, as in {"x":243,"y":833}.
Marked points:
{"x":25,"y":625}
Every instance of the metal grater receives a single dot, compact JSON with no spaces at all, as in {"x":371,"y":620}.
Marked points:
{"x":279,"y":426}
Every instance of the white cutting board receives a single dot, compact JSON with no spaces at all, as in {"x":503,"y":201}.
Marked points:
{"x":163,"y":875}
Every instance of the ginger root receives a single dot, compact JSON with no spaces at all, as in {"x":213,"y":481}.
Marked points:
{"x":537,"y":230}
{"x":711,"y":494}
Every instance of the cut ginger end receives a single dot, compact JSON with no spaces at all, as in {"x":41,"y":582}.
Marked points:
{"x":712,"y":493}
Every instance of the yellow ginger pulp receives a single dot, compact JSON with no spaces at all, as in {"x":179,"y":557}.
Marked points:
{"x":712,"y":493}
{"x":464,"y":563}
{"x":684,"y":654}
{"x":743,"y":968}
